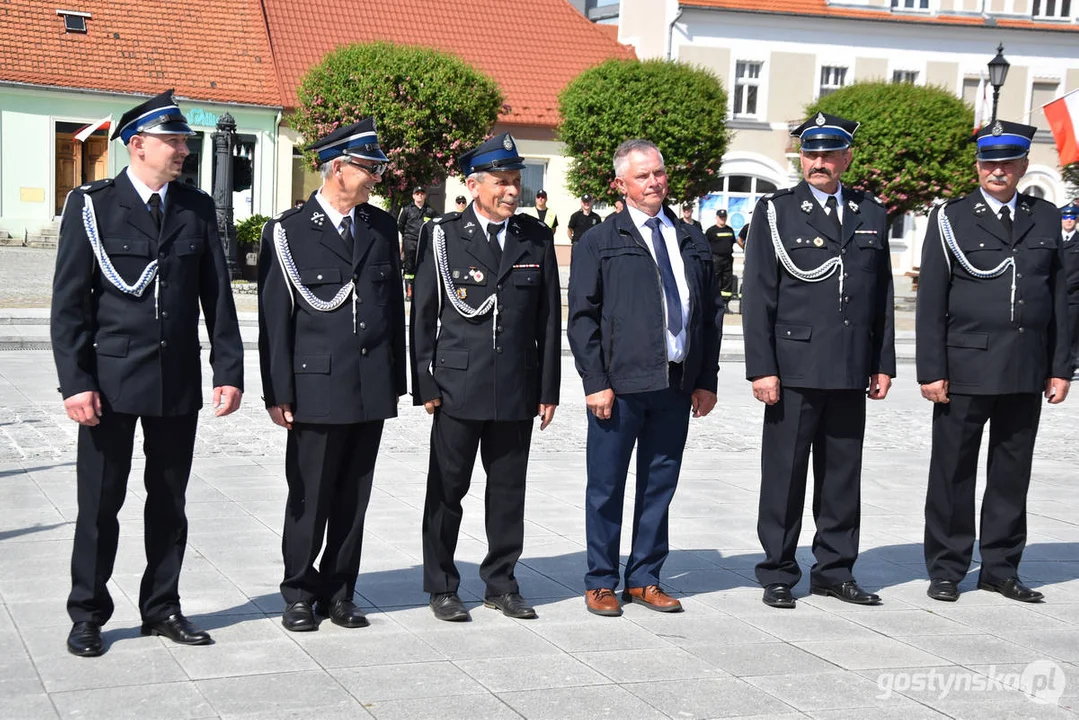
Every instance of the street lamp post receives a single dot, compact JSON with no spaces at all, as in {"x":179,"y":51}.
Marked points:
{"x":998,"y":72}
{"x":224,"y":140}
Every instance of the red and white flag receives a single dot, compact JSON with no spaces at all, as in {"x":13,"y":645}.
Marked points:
{"x":982,"y":108}
{"x":1063,"y":117}
{"x":102,"y":124}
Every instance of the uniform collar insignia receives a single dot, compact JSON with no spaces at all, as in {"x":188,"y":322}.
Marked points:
{"x":361,"y":213}
{"x":514,"y":228}
{"x":1025,"y":208}
{"x":980,"y":208}
{"x":853,"y":206}
{"x":807,"y":206}
{"x":318,"y":218}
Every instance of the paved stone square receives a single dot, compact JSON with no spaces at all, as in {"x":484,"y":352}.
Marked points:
{"x":727,"y":655}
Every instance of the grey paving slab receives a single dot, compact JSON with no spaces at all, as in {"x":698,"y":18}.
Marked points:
{"x":656,"y":664}
{"x":433,"y":680}
{"x":313,"y":693}
{"x":603,"y":701}
{"x":972,"y":649}
{"x":457,"y":707}
{"x":753,"y":659}
{"x":28,"y":707}
{"x":709,"y":698}
{"x":169,"y":701}
{"x":531,"y":673}
{"x":825,"y":691}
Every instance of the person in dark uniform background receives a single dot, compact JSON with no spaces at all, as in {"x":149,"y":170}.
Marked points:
{"x":1070,"y":253}
{"x":137,"y":255}
{"x":409,"y":223}
{"x":817,"y":319}
{"x":645,"y":329}
{"x":687,"y":218}
{"x":332,"y":355}
{"x":486,"y":357}
{"x":721,"y":240}
{"x":460,"y":203}
{"x":992,"y":334}
{"x":582,"y":220}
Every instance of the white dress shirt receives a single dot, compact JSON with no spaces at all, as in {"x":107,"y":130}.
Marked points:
{"x":332,"y":215}
{"x":484,"y":222}
{"x":822,"y":198}
{"x":145,"y":192}
{"x":676,"y":344}
{"x":995,"y":205}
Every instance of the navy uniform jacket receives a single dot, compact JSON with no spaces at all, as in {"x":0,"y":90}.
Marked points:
{"x":109,"y":341}
{"x":805,"y":332}
{"x":312,"y":360}
{"x":617,"y":328}
{"x":483,"y":368}
{"x":1070,"y":253}
{"x":964,"y":326}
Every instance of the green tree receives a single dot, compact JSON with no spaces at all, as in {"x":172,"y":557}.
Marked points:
{"x":913,"y":145}
{"x":1070,"y":173}
{"x":679,"y":107}
{"x":430,"y":107}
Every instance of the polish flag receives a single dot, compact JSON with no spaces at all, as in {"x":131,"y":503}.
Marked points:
{"x":102,"y":124}
{"x":982,"y":109}
{"x":1063,"y":117}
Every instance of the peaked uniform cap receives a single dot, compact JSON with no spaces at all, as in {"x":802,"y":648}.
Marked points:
{"x":1071,"y":210}
{"x":498,"y":153}
{"x":160,"y":115}
{"x":1003,"y":140}
{"x":823,"y":132}
{"x":358,"y":140}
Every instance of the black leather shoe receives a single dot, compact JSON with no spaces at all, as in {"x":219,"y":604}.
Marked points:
{"x":778,"y":595}
{"x":178,"y":629}
{"x":84,"y":639}
{"x":943,"y":590}
{"x":847,"y":592}
{"x":343,"y":613}
{"x":448,"y":607}
{"x":298,"y":617}
{"x":1013,"y":589}
{"x":512,"y":605}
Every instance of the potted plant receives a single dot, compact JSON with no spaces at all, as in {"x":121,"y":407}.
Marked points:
{"x":248,"y":235}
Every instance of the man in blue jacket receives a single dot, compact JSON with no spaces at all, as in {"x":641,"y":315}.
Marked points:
{"x":644,"y":327}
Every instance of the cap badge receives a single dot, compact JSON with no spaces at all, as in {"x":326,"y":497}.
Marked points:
{"x":807,"y":206}
{"x":818,"y":242}
{"x":998,"y":129}
{"x":507,"y":142}
{"x":820,"y":119}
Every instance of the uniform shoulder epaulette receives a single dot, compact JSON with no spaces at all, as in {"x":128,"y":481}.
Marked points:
{"x":444,"y":218}
{"x":95,"y":185}
{"x":287,"y":213}
{"x":525,"y":217}
{"x":778,"y":193}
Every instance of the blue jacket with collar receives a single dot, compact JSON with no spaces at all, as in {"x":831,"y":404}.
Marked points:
{"x":616,"y":328}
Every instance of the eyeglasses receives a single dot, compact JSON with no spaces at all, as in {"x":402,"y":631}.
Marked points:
{"x":376,"y":169}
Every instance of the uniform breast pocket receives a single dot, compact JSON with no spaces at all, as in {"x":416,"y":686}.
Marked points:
{"x":526,"y":280}
{"x":870,"y":248}
{"x":126,"y":247}
{"x":380,"y":275}
{"x":190,"y":247}
{"x":1041,"y":254}
{"x":809,"y":256}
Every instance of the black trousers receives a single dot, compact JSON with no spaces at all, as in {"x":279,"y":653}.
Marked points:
{"x":953,"y":467}
{"x":832,"y":424}
{"x":329,"y":469}
{"x":102,"y":469}
{"x":724,"y":270}
{"x":1073,"y":324}
{"x":503,"y":447}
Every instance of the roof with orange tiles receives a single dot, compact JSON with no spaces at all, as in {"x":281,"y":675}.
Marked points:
{"x":823,"y":8}
{"x":531,"y":49}
{"x":206,"y":49}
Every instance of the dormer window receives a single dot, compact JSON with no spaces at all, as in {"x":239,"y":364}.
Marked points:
{"x":74,"y":21}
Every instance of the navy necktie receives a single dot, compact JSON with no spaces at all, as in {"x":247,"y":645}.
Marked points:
{"x":666,"y":273}
{"x":833,"y":212}
{"x":492,"y":236}
{"x":155,"y":210}
{"x":346,"y":231}
{"x":1006,"y":220}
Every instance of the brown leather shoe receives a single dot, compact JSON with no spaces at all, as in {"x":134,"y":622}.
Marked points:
{"x":652,"y":598}
{"x":603,"y":601}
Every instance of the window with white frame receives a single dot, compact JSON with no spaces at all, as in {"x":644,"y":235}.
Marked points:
{"x":1041,"y":92}
{"x":911,"y":4}
{"x":905,"y":76}
{"x":832,"y":77}
{"x":532,"y":181}
{"x":747,"y":79}
{"x":1052,"y":9}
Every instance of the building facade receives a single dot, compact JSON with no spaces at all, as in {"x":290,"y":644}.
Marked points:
{"x":775,"y":57}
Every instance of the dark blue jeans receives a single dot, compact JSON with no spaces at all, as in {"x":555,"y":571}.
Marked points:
{"x":657,"y":422}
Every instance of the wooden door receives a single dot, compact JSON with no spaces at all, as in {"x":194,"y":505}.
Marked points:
{"x":95,"y":158}
{"x":68,"y":167}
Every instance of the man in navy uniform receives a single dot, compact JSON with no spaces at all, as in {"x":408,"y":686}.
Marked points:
{"x":138,"y":254}
{"x":1070,"y":252}
{"x":409,"y":222}
{"x":332,"y":353}
{"x":486,"y":360}
{"x":992,"y":334}
{"x":644,"y":326}
{"x":818,"y":327}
